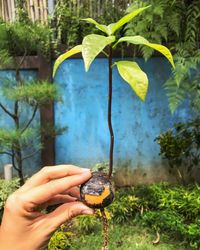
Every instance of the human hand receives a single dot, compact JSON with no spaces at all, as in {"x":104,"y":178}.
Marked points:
{"x":24,"y":226}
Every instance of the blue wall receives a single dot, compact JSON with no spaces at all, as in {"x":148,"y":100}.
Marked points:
{"x":33,"y":164}
{"x":136,"y":124}
{"x":84,"y":111}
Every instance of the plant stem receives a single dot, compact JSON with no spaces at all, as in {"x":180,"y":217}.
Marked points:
{"x":17,"y":144}
{"x":105,"y":229}
{"x":110,"y":113}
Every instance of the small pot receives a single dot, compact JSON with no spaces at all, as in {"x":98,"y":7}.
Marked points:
{"x":97,"y":192}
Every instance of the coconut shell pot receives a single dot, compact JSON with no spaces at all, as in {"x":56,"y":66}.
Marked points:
{"x":97,"y":192}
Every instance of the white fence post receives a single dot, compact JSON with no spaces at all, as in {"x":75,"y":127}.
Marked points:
{"x":8,"y":172}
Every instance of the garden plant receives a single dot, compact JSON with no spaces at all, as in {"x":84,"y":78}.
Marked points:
{"x":21,"y":140}
{"x":97,"y":192}
{"x":181,"y":147}
{"x":175,"y":23}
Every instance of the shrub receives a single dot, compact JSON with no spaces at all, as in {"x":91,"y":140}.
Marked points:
{"x":6,"y":188}
{"x":181,"y":147}
{"x":168,"y":209}
{"x":60,"y":241}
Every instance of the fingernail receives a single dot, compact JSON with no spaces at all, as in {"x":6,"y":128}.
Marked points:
{"x":88,"y":211}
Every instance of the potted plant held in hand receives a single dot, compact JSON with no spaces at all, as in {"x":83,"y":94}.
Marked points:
{"x":97,"y":192}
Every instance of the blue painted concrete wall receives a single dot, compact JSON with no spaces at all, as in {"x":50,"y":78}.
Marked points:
{"x":136,"y":124}
{"x":33,"y":164}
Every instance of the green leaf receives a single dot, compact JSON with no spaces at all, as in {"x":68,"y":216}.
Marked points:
{"x":142,"y":41}
{"x":99,"y":26}
{"x":127,"y":18}
{"x":61,"y":58}
{"x":134,"y":76}
{"x":92,"y":45}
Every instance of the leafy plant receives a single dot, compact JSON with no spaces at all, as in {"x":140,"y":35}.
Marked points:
{"x":61,"y":239}
{"x":175,"y":23}
{"x":68,"y":28}
{"x":181,"y":148}
{"x":171,"y":210}
{"x":93,"y":44}
{"x":22,"y":38}
{"x":6,"y":188}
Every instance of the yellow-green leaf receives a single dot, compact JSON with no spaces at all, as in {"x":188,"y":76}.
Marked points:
{"x":142,"y":41}
{"x":92,"y":45}
{"x":61,"y":58}
{"x":127,"y":18}
{"x":98,"y":25}
{"x":134,"y":76}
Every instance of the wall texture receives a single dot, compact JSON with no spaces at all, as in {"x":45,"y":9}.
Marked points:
{"x":136,"y":124}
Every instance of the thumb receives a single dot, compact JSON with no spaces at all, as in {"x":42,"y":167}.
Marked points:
{"x":66,"y":212}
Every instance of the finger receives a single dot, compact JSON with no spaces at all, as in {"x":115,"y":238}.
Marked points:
{"x":66,"y":212}
{"x":74,"y":192}
{"x":47,"y":174}
{"x":58,"y":199}
{"x":45,"y":192}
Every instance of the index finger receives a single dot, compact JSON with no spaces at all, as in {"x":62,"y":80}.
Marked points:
{"x":47,"y":174}
{"x":40,"y":194}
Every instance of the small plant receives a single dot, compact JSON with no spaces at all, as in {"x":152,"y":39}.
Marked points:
{"x":21,"y":96}
{"x":61,"y":239}
{"x":91,"y":46}
{"x":6,"y":188}
{"x":181,"y":147}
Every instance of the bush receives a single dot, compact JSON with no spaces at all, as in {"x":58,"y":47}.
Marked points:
{"x":168,"y":209}
{"x":6,"y":188}
{"x":181,"y":147}
{"x":60,"y":240}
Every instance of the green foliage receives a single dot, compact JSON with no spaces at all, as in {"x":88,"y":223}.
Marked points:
{"x":181,"y":147}
{"x":171,"y":210}
{"x":6,"y":188}
{"x":87,"y":224}
{"x":177,"y":24}
{"x":20,"y":38}
{"x":93,"y":44}
{"x":34,"y":92}
{"x":124,"y":206}
{"x":9,"y":138}
{"x":61,"y":239}
{"x":67,"y":20}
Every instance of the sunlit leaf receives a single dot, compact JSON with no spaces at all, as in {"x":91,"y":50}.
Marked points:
{"x":134,"y":76}
{"x":92,"y":45}
{"x":61,"y":58}
{"x":99,"y":26}
{"x":127,"y":18}
{"x":139,"y":40}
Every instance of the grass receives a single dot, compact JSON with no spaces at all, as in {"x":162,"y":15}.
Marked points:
{"x":124,"y":237}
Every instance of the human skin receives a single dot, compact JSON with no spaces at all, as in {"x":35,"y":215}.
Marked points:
{"x":24,"y":226}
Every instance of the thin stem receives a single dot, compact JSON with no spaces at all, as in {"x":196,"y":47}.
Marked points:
{"x":13,"y":160}
{"x":6,"y":153}
{"x":30,"y":155}
{"x":110,"y":113}
{"x":7,"y":111}
{"x":105,"y":229}
{"x":31,"y":119}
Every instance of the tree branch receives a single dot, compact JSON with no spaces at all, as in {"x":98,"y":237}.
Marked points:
{"x":6,"y":153}
{"x":30,"y":155}
{"x":7,"y":111}
{"x":13,"y":160}
{"x":31,"y":119}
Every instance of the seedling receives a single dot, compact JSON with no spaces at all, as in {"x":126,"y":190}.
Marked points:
{"x":95,"y":192}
